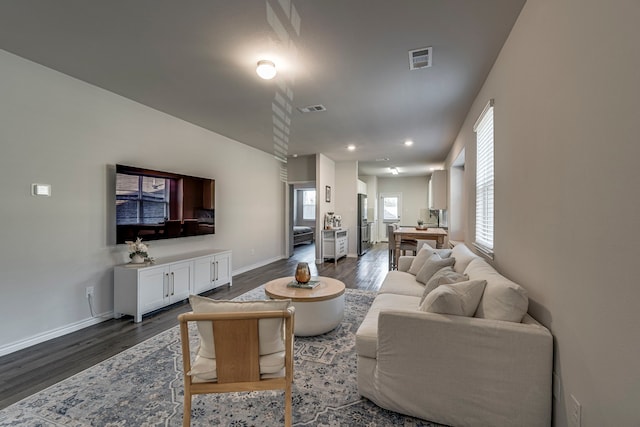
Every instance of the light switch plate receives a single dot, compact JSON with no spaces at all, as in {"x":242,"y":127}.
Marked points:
{"x":41,"y":190}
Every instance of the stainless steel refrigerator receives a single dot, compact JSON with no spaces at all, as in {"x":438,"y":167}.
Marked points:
{"x":364,"y":239}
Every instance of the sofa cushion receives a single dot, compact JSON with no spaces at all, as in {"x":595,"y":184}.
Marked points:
{"x":444,"y":253}
{"x":431,"y":266}
{"x":502,"y":299}
{"x":423,"y":254}
{"x":444,"y":276}
{"x":401,"y":283}
{"x":463,"y":256}
{"x":460,"y":299}
{"x":271,"y":330}
{"x":367,"y":334}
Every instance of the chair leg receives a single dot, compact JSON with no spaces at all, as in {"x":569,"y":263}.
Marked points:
{"x":186,"y":417}
{"x":287,"y":406}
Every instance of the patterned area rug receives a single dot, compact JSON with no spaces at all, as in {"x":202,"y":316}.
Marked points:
{"x":142,"y":386}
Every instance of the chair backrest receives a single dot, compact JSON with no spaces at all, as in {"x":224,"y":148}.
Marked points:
{"x":237,"y":355}
{"x":390,"y":229}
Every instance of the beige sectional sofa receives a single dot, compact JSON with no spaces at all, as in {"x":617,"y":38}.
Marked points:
{"x":491,"y":369}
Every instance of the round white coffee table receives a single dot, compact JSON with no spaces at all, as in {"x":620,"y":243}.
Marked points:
{"x":318,"y":310}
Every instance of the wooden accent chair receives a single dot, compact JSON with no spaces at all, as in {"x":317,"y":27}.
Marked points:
{"x":237,"y":356}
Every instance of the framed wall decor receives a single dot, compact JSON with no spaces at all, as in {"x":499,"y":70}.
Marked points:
{"x":327,"y":194}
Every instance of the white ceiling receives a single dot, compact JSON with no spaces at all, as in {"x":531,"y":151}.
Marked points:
{"x":196,"y":60}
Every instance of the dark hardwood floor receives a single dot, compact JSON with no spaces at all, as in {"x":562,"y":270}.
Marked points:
{"x":28,"y":371}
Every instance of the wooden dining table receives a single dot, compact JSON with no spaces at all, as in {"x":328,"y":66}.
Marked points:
{"x":410,"y":233}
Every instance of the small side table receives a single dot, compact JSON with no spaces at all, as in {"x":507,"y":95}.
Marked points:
{"x":318,"y":310}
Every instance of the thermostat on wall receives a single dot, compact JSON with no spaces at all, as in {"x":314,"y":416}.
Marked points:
{"x":41,"y":190}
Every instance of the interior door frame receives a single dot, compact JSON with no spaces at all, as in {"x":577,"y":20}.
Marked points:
{"x":382,"y":223}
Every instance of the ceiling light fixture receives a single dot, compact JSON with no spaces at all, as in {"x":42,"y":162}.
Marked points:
{"x":351,"y":147}
{"x":408,"y":143}
{"x":394,"y":171}
{"x":266,"y":69}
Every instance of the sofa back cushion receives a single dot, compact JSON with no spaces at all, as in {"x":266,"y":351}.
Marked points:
{"x":502,"y":298}
{"x":463,"y":256}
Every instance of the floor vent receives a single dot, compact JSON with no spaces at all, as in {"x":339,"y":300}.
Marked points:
{"x":312,"y":108}
{"x":420,"y":58}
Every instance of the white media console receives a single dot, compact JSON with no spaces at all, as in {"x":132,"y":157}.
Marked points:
{"x":142,"y":288}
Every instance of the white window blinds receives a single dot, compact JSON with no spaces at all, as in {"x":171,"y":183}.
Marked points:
{"x":484,"y":180}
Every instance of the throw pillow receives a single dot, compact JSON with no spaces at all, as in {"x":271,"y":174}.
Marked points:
{"x":424,"y":243}
{"x":420,"y":258}
{"x":444,"y":276}
{"x":431,"y":266}
{"x":271,"y":330}
{"x":444,"y":253}
{"x":460,"y":299}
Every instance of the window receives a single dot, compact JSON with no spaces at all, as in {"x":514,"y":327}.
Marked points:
{"x":141,"y":199}
{"x":484,"y":180}
{"x":309,"y":205}
{"x":390,"y":208}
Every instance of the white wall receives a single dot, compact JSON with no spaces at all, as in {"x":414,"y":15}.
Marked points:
{"x":346,"y":193}
{"x":57,"y":130}
{"x":372,"y":205}
{"x":415,"y":193}
{"x":325,"y":175}
{"x":567,"y":103}
{"x":301,"y":169}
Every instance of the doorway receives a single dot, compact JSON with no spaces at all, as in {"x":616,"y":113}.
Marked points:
{"x":302,"y":215}
{"x":389,"y":211}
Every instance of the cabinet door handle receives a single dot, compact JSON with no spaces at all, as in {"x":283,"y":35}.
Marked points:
{"x":213,"y":271}
{"x":173,"y":283}
{"x":217,"y":271}
{"x":165,"y":285}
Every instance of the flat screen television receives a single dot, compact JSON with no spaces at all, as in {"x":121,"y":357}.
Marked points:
{"x":157,"y":205}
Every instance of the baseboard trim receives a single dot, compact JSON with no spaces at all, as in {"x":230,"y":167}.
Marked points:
{"x":73,"y":327}
{"x":257,"y":265}
{"x":54,"y":333}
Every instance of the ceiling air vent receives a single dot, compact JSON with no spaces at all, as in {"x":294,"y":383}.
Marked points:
{"x":420,"y":58}
{"x":312,"y":108}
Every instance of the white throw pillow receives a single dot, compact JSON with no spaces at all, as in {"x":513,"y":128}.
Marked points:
{"x":444,"y":276}
{"x":444,"y":253}
{"x":431,"y":266}
{"x":423,"y":254}
{"x":271,"y":334}
{"x":460,"y":299}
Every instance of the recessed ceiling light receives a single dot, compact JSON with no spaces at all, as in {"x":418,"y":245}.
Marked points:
{"x":266,"y":69}
{"x":408,"y":143}
{"x":351,"y":147}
